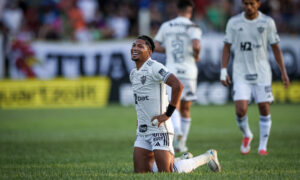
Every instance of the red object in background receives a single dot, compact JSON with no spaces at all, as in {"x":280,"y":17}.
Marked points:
{"x":23,"y":53}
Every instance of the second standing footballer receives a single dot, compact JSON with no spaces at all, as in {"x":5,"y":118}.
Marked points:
{"x":250,"y":33}
{"x":179,"y":38}
{"x":153,"y":147}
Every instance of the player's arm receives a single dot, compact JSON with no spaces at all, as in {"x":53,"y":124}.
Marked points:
{"x":279,"y":59}
{"x":225,"y":79}
{"x":196,"y":49}
{"x":158,"y":47}
{"x":177,"y":87}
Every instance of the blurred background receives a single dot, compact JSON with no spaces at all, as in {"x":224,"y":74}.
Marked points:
{"x":76,"y":53}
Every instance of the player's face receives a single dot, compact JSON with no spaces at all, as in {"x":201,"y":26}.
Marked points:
{"x":251,"y":7}
{"x":140,"y":51}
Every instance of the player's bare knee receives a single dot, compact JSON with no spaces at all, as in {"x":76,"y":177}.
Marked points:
{"x":241,"y":112}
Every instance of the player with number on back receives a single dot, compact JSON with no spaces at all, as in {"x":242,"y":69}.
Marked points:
{"x":250,"y":33}
{"x":179,"y":38}
{"x":153,"y":147}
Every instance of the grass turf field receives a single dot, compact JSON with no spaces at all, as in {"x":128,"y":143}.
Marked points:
{"x":98,"y":144}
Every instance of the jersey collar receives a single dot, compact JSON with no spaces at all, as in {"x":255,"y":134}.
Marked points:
{"x":144,"y":64}
{"x":251,"y":21}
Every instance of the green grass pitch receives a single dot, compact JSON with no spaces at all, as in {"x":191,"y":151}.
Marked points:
{"x":96,"y":143}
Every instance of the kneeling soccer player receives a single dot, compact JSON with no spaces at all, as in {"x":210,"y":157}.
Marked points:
{"x":153,"y":148}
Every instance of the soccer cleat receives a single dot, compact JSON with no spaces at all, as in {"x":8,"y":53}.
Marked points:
{"x":245,"y":147}
{"x":214,"y":164}
{"x":262,"y":152}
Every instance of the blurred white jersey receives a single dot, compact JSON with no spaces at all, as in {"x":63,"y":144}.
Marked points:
{"x":150,"y":96}
{"x":250,"y":40}
{"x":176,"y":36}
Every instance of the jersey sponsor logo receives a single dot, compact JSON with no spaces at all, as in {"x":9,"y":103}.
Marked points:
{"x":240,"y":29}
{"x":143,"y":128}
{"x":180,"y":71}
{"x":251,"y":77}
{"x":246,"y":46}
{"x":140,"y":98}
{"x":143,"y":79}
{"x":260,"y":29}
{"x":162,"y":72}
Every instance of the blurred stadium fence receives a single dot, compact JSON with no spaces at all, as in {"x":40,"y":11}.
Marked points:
{"x":69,"y":72}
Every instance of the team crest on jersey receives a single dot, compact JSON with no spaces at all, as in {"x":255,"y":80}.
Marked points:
{"x":143,"y":79}
{"x":260,"y":29}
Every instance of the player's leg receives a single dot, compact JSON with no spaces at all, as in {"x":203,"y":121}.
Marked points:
{"x":143,"y":160}
{"x":188,"y":165}
{"x":143,"y":157}
{"x":265,"y":123}
{"x":185,"y":122}
{"x":164,"y":160}
{"x":176,"y":121}
{"x":264,"y":96}
{"x":241,"y":97}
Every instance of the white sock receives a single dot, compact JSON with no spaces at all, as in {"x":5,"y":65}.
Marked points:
{"x":265,"y":123}
{"x":244,"y":126}
{"x":176,"y":122}
{"x":154,"y":167}
{"x":185,"y":128}
{"x":188,"y":165}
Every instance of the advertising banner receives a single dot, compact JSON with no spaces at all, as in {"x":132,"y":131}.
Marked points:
{"x":112,"y":59}
{"x":55,"y":93}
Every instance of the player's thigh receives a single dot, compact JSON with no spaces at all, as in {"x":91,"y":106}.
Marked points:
{"x":164,"y":160}
{"x":143,"y":156}
{"x":143,"y":160}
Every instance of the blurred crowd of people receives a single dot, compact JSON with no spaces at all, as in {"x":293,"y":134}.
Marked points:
{"x":92,"y":20}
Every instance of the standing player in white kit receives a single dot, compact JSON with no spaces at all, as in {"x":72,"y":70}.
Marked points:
{"x":179,"y":38}
{"x":153,"y":147}
{"x":250,"y":33}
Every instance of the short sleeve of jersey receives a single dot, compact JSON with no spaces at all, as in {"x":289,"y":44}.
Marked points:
{"x":160,"y":72}
{"x":160,"y":34}
{"x":229,"y":34}
{"x":131,"y":75}
{"x":273,"y":36}
{"x":195,"y":32}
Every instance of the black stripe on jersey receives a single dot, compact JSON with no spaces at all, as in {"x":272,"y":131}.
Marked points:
{"x":174,"y":168}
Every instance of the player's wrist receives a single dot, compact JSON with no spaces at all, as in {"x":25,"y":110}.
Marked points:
{"x":170,"y":110}
{"x":223,"y":74}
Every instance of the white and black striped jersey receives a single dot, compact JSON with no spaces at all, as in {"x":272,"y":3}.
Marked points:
{"x":250,"y":40}
{"x":151,"y":99}
{"x":176,"y":36}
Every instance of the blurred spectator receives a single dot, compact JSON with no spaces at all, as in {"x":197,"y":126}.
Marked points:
{"x":93,"y":20}
{"x":12,"y":17}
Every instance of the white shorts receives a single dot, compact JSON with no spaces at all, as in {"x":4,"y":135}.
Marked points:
{"x":245,"y":91}
{"x":155,"y":141}
{"x":189,"y":90}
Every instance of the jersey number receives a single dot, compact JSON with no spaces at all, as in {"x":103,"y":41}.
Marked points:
{"x":246,"y":46}
{"x":177,"y":50}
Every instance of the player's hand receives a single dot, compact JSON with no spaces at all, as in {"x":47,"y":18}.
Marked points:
{"x":226,"y":82}
{"x":161,"y":118}
{"x":285,"y":80}
{"x":225,"y":79}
